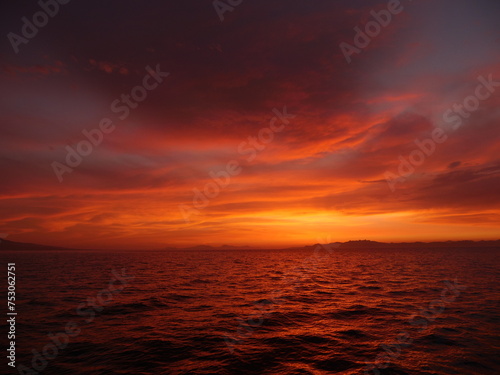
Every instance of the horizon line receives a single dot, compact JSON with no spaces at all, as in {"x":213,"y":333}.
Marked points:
{"x":248,"y":247}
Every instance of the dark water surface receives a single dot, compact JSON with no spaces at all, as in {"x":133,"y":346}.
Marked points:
{"x":258,"y":312}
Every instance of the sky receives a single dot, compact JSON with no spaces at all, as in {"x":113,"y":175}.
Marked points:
{"x":309,"y":143}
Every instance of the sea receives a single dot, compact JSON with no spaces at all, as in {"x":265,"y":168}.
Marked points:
{"x":340,"y":311}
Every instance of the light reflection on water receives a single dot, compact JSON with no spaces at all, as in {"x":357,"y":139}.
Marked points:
{"x":177,"y":313}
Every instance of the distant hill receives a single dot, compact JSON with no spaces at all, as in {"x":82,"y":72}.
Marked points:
{"x":11,"y":245}
{"x":360,"y":244}
{"x":365,"y":244}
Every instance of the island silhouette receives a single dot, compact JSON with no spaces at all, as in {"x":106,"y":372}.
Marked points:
{"x":356,"y":244}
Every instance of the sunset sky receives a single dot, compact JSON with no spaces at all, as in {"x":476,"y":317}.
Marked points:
{"x":322,"y":176}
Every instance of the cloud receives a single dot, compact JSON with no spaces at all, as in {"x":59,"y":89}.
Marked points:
{"x":323,"y":172}
{"x":109,"y":67}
